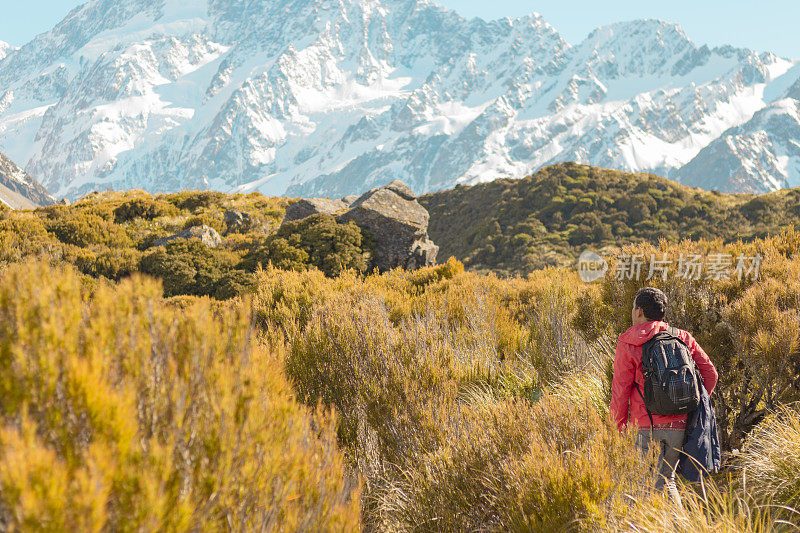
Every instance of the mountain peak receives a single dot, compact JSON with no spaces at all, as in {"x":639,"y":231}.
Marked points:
{"x":652,"y":36}
{"x":300,"y":96}
{"x":638,"y":27}
{"x":5,"y":49}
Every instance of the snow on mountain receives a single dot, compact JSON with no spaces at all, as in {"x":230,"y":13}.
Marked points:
{"x":761,"y":155}
{"x":5,"y":48}
{"x":334,"y":96}
{"x":18,"y":190}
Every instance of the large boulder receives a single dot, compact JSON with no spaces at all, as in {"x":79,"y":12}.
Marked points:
{"x":206,"y":234}
{"x":398,"y":225}
{"x":306,"y":207}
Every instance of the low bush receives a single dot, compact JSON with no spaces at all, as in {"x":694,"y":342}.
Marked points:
{"x":144,"y":208}
{"x":188,"y":267}
{"x":82,"y":229}
{"x":318,"y":241}
{"x":215,"y":222}
{"x":196,"y":200}
{"x":112,"y":263}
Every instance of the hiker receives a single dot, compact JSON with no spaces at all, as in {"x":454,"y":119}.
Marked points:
{"x":682,"y":394}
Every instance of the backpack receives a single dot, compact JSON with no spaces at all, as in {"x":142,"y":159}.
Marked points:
{"x":671,"y":384}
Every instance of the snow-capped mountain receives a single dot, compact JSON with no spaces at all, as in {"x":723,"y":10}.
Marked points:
{"x":5,"y":48}
{"x":18,"y":190}
{"x":335,"y":96}
{"x":761,"y":155}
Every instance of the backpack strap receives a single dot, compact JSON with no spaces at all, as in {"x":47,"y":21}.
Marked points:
{"x":672,"y":330}
{"x":649,"y":414}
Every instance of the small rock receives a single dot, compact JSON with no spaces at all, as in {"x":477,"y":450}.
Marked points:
{"x":350,"y":200}
{"x":306,"y":207}
{"x":423,"y":254}
{"x":403,"y":190}
{"x":206,"y":234}
{"x":237,"y":222}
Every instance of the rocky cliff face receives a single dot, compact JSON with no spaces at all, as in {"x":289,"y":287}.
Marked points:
{"x":333,"y":97}
{"x":18,"y":190}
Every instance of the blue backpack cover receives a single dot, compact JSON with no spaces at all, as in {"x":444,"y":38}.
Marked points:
{"x":701,"y":451}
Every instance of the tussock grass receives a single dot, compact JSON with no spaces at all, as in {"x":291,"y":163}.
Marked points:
{"x":770,"y":461}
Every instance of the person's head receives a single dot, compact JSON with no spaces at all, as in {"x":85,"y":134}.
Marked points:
{"x":649,"y":304}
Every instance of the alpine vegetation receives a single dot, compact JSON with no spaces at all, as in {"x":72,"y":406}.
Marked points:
{"x":236,"y":378}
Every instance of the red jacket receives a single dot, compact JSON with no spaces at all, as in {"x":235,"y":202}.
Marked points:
{"x":628,"y":369}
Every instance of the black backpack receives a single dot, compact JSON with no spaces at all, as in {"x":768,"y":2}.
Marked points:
{"x":671,"y":382}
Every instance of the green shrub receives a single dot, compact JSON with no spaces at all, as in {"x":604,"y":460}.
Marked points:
{"x":195,"y":201}
{"x":234,"y":283}
{"x":317,"y":240}
{"x":144,"y":208}
{"x":215,"y":222}
{"x":187,"y":267}
{"x":112,"y":263}
{"x":82,"y":229}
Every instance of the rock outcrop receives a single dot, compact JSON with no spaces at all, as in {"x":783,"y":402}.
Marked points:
{"x":391,"y":215}
{"x":206,"y":234}
{"x":306,"y":207}
{"x":349,"y":200}
{"x":398,"y":224}
{"x":237,"y":222}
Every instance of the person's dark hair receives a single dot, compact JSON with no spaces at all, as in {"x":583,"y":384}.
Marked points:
{"x":652,"y":302}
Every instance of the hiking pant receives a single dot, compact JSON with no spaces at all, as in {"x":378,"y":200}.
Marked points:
{"x":670,"y":443}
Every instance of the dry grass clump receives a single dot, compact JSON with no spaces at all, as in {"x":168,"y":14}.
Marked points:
{"x":770,"y":461}
{"x":712,"y":509}
{"x":507,"y":464}
{"x":119,"y":413}
{"x":460,"y":415}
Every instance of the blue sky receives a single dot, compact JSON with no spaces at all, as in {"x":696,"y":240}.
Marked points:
{"x":765,"y":25}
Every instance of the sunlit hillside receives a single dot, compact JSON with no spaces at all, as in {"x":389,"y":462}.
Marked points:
{"x":249,"y":386}
{"x":516,"y":226}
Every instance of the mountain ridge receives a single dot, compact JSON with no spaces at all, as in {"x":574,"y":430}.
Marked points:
{"x":18,"y":190}
{"x":332,"y":97}
{"x":547,"y":219}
